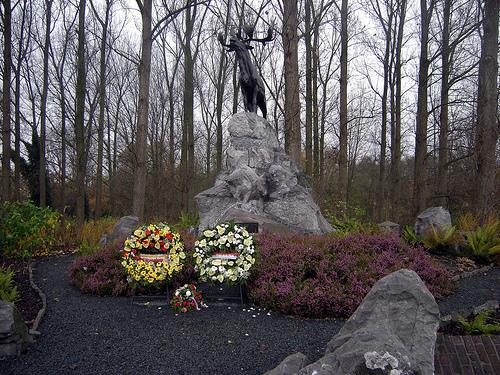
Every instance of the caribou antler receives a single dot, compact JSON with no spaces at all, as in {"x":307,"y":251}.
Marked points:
{"x":249,"y":31}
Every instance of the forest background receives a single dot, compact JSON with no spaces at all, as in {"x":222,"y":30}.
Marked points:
{"x":115,"y":107}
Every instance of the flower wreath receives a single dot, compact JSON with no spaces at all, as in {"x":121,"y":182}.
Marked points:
{"x":152,"y":254}
{"x":187,"y":298}
{"x":224,"y":253}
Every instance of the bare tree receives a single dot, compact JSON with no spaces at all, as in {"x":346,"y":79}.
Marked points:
{"x":81,"y":162}
{"x":420,"y":172}
{"x":396,"y":111}
{"x":148,"y":34}
{"x":487,"y":107}
{"x":291,"y":68}
{"x":23,"y":42}
{"x":43,"y":105}
{"x":343,"y":104}
{"x":309,"y":86}
{"x":102,"y":101}
{"x":6,"y":121}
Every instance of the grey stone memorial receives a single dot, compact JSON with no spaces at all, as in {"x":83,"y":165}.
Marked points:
{"x":259,"y":184}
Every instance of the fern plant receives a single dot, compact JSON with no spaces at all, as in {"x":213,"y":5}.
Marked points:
{"x":440,"y":239}
{"x":8,"y":291}
{"x":484,"y":243}
{"x":479,"y":325}
{"x":467,"y":222}
{"x":409,"y":236}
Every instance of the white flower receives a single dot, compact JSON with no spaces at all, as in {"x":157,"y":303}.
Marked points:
{"x":188,"y":293}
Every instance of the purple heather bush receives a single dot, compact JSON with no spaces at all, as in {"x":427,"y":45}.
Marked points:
{"x":327,"y":276}
{"x":102,"y":273}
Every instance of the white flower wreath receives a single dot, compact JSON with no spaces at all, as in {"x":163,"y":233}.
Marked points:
{"x":224,"y":253}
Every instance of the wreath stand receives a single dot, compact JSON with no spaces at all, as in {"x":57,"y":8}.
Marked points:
{"x":226,"y":292}
{"x":151,"y":300}
{"x":223,"y":292}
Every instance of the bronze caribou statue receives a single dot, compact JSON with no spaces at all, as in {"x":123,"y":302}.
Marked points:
{"x":252,"y":86}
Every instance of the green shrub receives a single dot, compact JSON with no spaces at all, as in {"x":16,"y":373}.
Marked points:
{"x":409,"y":236}
{"x":92,"y":230}
{"x":86,"y":248}
{"x":8,"y":291}
{"x":188,"y":220}
{"x":484,"y":243}
{"x":441,"y":240}
{"x":345,"y":225}
{"x":479,"y":325}
{"x":467,"y":222}
{"x":67,"y":232}
{"x":25,"y":228}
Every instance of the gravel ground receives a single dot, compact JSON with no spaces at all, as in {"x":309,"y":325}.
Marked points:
{"x":97,"y":335}
{"x":471,"y":292}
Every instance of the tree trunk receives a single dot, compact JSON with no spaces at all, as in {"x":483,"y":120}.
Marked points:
{"x":315,"y":67}
{"x":343,"y":106}
{"x":6,"y":123}
{"x":487,"y":105}
{"x":81,"y":162}
{"x":43,"y":105}
{"x":291,"y":68}
{"x":17,"y":106}
{"x":309,"y":96}
{"x":188,"y":104}
{"x":442,"y":181}
{"x":140,"y":148}
{"x":221,"y":84}
{"x":420,"y":172}
{"x":102,"y":109}
{"x":380,"y":202}
{"x":396,"y":131}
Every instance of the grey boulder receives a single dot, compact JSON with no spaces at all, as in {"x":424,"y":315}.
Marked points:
{"x":14,"y":334}
{"x":122,"y":229}
{"x":437,"y":217}
{"x":259,"y":182}
{"x":290,"y":365}
{"x":394,"y":329}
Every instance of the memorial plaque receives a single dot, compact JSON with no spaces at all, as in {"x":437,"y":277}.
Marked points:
{"x":250,"y":227}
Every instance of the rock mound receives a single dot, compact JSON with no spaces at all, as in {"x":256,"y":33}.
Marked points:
{"x":260,"y":182}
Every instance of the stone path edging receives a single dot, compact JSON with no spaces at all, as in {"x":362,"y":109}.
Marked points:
{"x":43,"y":297}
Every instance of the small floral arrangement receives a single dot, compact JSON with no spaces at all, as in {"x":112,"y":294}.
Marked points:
{"x":224,"y":253}
{"x":187,"y":298}
{"x":152,"y":254}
